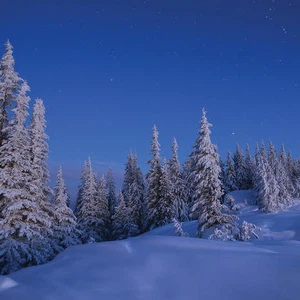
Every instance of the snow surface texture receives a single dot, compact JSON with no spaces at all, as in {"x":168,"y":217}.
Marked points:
{"x":159,"y":265}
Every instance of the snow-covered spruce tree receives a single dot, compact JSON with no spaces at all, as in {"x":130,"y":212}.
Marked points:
{"x":40,"y":149}
{"x":208,"y":191}
{"x":291,"y":172}
{"x":283,"y":159}
{"x":266,"y":186}
{"x":230,"y":180}
{"x":9,"y":86}
{"x":135,"y":197}
{"x":111,"y":196}
{"x":128,"y":176}
{"x":249,"y":169}
{"x":177,"y":186}
{"x":187,"y":177}
{"x":102,"y":209}
{"x":39,"y":155}
{"x":240,"y":168}
{"x":272,"y":157}
{"x":84,"y":173}
{"x":297,"y":174}
{"x":87,"y":212}
{"x":153,"y":194}
{"x":111,"y":191}
{"x":24,"y":224}
{"x":65,"y":226}
{"x":165,"y":206}
{"x":121,"y":223}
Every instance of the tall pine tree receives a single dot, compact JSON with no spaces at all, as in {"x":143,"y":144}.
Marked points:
{"x":25,"y":226}
{"x":65,"y":226}
{"x":177,"y":186}
{"x":154,"y":174}
{"x":87,"y":211}
{"x":208,"y":188}
{"x":9,"y":87}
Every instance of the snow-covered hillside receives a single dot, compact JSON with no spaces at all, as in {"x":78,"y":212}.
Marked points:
{"x":159,"y":265}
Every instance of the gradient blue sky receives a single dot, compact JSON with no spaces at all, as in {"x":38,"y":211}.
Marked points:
{"x":108,"y":70}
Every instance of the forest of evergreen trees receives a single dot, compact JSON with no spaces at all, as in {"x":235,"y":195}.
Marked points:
{"x":37,"y":223}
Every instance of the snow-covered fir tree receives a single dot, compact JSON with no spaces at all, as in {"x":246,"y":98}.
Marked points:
{"x":111,"y":196}
{"x":272,"y":157}
{"x":25,"y":226}
{"x":187,"y":177}
{"x":128,"y":176}
{"x":9,"y":86}
{"x":87,"y":210}
{"x":40,"y":149}
{"x":249,"y":169}
{"x":135,"y":195}
{"x":177,"y":186}
{"x":208,"y":189}
{"x":240,"y":168}
{"x":83,"y":175}
{"x":153,"y":194}
{"x":111,"y":191}
{"x":266,"y":186}
{"x":165,"y":208}
{"x":121,"y":221}
{"x":65,"y":226}
{"x":102,"y":209}
{"x":297,"y":177}
{"x":230,"y":180}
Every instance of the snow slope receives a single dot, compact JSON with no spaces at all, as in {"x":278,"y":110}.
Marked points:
{"x":159,"y":265}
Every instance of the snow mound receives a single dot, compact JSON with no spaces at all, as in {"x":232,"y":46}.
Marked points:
{"x":159,"y":265}
{"x":6,"y":283}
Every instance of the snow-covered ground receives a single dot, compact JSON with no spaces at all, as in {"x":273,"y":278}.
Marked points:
{"x":159,"y":265}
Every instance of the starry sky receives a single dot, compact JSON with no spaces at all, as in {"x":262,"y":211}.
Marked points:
{"x":108,"y":70}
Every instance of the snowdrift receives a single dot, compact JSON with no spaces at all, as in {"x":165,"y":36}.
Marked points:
{"x":158,"y":265}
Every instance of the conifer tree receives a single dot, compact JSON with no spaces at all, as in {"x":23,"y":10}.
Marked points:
{"x":187,"y":177}
{"x":111,"y":196}
{"x":272,"y":157}
{"x":165,"y":208}
{"x":230,"y":180}
{"x":287,"y":173}
{"x":135,"y":197}
{"x":80,"y":189}
{"x":240,"y":168}
{"x":208,"y":190}
{"x":121,"y":223}
{"x":249,"y":169}
{"x":65,"y":232}
{"x":87,"y":212}
{"x":24,"y":224}
{"x":39,"y":150}
{"x":297,"y":179}
{"x":177,"y":186}
{"x":9,"y":86}
{"x":111,"y":191}
{"x":266,"y":186}
{"x":102,"y":210}
{"x":153,"y":194}
{"x":128,"y":176}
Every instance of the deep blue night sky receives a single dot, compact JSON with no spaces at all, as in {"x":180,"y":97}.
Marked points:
{"x":108,"y":70}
